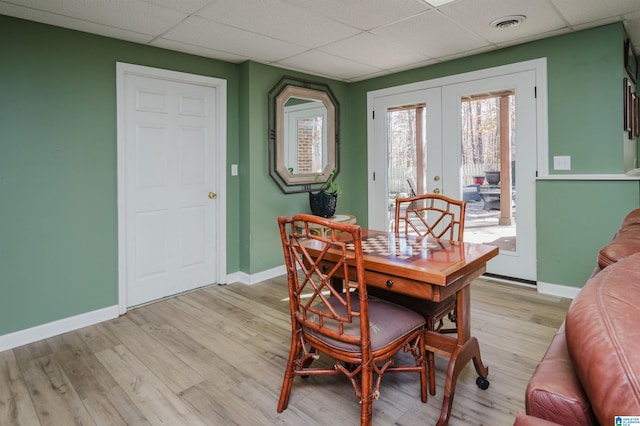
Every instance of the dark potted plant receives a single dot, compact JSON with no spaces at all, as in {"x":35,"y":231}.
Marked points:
{"x":493,"y":177}
{"x":323,"y":203}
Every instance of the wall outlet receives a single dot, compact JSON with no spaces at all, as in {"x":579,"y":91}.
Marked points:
{"x":562,"y":162}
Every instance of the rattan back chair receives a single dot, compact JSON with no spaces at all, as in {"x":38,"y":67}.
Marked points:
{"x":435,"y":216}
{"x":336,"y":317}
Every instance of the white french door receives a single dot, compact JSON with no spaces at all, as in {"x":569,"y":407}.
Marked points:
{"x":515,"y":231}
{"x":437,"y":164}
{"x":388,"y":178}
{"x":171,"y":193}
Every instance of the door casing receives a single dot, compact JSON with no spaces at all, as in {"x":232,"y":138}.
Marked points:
{"x":219,"y":151}
{"x":537,"y":66}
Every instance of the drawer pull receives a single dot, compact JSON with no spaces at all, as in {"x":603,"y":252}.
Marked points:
{"x":389,"y":283}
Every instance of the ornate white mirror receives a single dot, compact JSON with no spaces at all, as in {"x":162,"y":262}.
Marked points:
{"x":303,"y":134}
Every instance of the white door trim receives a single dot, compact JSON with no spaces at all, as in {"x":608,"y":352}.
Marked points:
{"x":220,"y":152}
{"x":542,"y":129}
{"x":539,"y":69}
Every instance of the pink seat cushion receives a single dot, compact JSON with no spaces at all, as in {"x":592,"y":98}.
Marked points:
{"x":383,"y":331}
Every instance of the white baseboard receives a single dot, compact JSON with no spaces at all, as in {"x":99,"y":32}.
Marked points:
{"x":54,"y":328}
{"x":249,"y":279}
{"x":44,"y":331}
{"x":558,"y":290}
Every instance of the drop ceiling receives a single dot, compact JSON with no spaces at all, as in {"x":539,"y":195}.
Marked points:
{"x":347,"y":40}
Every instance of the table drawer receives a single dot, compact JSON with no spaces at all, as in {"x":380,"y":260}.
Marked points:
{"x":398,"y":284}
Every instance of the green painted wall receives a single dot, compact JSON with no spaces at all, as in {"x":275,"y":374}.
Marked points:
{"x":262,"y":201}
{"x":58,"y":239}
{"x":584,"y":72}
{"x":575,"y":219}
{"x":58,"y":242}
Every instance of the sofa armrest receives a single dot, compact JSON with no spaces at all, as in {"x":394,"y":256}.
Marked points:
{"x":524,"y":420}
{"x":554,"y":392}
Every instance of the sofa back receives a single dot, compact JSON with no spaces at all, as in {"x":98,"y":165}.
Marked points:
{"x":603,"y":339}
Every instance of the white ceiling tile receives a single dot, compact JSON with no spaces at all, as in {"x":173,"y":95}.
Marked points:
{"x":578,"y":12}
{"x":198,"y":50}
{"x":132,"y":15}
{"x":72,"y":24}
{"x":316,"y":62}
{"x":432,"y":34}
{"x":212,"y":35}
{"x":277,"y":19}
{"x":533,"y":38}
{"x":632,"y":25}
{"x":343,"y":39}
{"x":374,"y":50}
{"x":187,"y":6}
{"x":364,"y":14}
{"x":477,"y":16}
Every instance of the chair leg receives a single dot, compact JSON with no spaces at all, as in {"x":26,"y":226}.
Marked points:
{"x":366,"y":392}
{"x":432,"y":372}
{"x":426,"y":367}
{"x":287,"y":383}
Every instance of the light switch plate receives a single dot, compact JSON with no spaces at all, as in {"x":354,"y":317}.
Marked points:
{"x":234,"y":170}
{"x":562,"y":162}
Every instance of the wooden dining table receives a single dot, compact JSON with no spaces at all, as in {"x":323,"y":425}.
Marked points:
{"x":429,"y":269}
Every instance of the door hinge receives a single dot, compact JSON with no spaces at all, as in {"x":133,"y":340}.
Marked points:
{"x":373,"y":115}
{"x":374,"y":175}
{"x":535,"y":92}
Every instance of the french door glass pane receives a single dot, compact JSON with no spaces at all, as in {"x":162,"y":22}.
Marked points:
{"x":488,"y":167}
{"x":407,"y":152}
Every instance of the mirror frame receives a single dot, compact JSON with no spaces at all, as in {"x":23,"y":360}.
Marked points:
{"x":285,"y":89}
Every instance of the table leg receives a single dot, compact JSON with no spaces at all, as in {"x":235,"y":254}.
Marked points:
{"x":467,"y":349}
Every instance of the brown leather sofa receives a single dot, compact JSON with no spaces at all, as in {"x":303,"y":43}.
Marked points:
{"x":591,"y":371}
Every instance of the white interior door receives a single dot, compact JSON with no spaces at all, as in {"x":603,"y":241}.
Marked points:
{"x":171,"y":187}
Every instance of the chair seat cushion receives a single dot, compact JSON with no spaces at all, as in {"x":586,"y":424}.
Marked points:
{"x":383,"y":332}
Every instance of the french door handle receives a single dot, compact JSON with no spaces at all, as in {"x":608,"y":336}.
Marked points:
{"x":212,"y":195}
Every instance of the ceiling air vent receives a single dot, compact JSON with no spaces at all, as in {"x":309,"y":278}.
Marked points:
{"x":508,"y":21}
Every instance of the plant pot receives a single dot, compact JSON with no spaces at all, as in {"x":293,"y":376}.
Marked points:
{"x":323,"y":203}
{"x":493,"y":178}
{"x":478,"y":180}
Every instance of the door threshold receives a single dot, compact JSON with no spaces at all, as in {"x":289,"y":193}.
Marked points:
{"x":510,"y":280}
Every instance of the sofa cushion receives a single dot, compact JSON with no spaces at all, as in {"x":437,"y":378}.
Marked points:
{"x":624,"y":243}
{"x":554,"y":392}
{"x":632,"y":218}
{"x":603,"y":339}
{"x":618,"y":249}
{"x":525,"y":420}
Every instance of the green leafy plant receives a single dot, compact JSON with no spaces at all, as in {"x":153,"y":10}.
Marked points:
{"x":330,"y":185}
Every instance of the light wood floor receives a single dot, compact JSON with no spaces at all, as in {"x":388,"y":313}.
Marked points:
{"x":216,"y":356}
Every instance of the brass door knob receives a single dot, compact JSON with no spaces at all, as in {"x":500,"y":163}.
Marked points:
{"x":212,"y":195}
{"x":436,"y":191}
